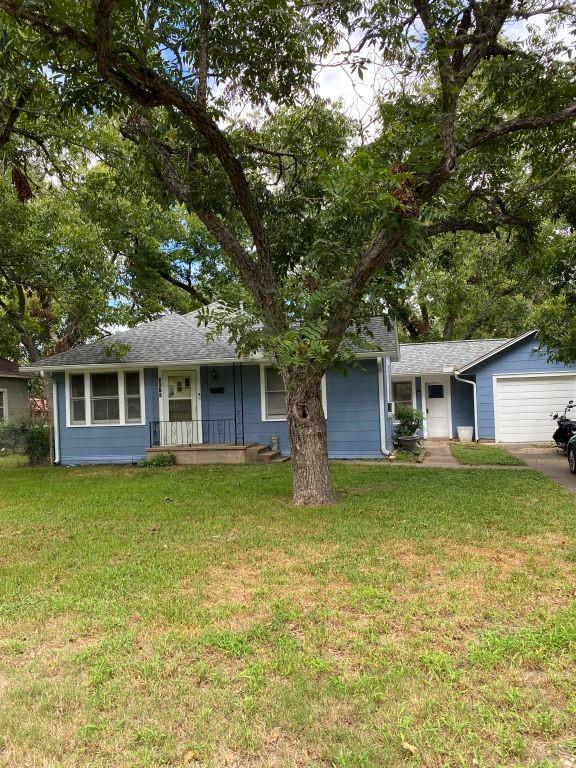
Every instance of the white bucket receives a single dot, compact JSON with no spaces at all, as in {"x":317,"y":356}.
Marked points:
{"x":465,"y":434}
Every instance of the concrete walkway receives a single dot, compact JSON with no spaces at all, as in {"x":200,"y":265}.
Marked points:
{"x":546,"y":459}
{"x":438,"y":455}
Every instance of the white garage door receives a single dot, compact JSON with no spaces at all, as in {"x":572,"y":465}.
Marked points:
{"x":523,"y":406}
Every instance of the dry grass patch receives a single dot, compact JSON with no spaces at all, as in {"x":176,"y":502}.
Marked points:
{"x":226,"y":628}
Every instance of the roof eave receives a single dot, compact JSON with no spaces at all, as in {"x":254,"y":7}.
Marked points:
{"x":174,"y":363}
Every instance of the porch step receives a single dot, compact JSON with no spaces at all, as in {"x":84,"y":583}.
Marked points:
{"x":261,"y":454}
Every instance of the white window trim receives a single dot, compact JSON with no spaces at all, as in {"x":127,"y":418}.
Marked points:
{"x":121,"y":397}
{"x":399,"y":377}
{"x":263,"y":367}
{"x":5,"y":404}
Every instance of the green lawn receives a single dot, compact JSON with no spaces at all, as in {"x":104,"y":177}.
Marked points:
{"x":480,"y":453}
{"x":193,"y":617}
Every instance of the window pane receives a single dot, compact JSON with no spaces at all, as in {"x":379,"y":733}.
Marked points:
{"x":402,"y":391}
{"x":133,"y":409}
{"x":180,"y":410}
{"x":106,"y":409}
{"x":276,"y":404}
{"x":104,"y":385}
{"x":275,"y":394}
{"x":132,"y":383}
{"x":435,"y":391}
{"x":274,"y":380}
{"x":78,"y":411}
{"x":179,"y":386}
{"x":77,"y":385}
{"x":2,"y":408}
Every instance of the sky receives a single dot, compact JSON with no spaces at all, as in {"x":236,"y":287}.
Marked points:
{"x":357,"y":95}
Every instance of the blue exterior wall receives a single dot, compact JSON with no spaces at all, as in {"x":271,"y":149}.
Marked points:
{"x":462,"y":399}
{"x":111,"y":444}
{"x":520,"y":358}
{"x":352,"y":405}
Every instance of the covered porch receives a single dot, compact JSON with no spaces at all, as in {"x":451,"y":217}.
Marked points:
{"x":202,"y":418}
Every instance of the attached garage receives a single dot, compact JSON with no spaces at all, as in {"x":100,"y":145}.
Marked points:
{"x":523,"y":404}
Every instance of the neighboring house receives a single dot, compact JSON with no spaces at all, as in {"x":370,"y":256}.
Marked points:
{"x":177,"y":386}
{"x":14,"y":399}
{"x":505,"y":388}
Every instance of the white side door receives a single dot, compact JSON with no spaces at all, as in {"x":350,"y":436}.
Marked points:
{"x":437,"y":403}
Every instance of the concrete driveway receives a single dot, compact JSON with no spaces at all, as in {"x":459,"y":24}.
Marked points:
{"x":545,"y":459}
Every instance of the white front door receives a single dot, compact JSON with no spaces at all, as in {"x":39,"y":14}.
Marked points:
{"x":181,"y":422}
{"x":437,"y":402}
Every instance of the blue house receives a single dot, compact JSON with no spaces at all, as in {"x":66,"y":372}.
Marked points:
{"x":505,"y":389}
{"x":178,"y":388}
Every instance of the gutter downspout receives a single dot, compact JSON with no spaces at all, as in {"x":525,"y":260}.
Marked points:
{"x":473,"y":383}
{"x":382,"y":409}
{"x":56,"y":423}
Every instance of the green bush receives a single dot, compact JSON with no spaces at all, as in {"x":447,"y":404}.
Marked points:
{"x":11,"y":437}
{"x":409,"y":421}
{"x":37,"y":442}
{"x":159,"y":460}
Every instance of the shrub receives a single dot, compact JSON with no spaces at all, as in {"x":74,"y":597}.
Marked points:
{"x":159,"y":460}
{"x":409,"y":421}
{"x":11,"y":436}
{"x":37,"y":443}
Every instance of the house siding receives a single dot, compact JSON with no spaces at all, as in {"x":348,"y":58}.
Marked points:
{"x":353,"y":406}
{"x":17,"y":397}
{"x":107,"y":445}
{"x":462,"y":398}
{"x":520,"y":358}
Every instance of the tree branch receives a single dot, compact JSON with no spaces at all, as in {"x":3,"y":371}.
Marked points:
{"x":203,"y":36}
{"x":520,"y":123}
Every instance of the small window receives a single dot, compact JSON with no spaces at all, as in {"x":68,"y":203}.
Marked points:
{"x":105,"y":398}
{"x":275,"y":394}
{"x":402,"y":393}
{"x":132,"y":405}
{"x":77,"y":399}
{"x":435,"y":391}
{"x":3,"y":413}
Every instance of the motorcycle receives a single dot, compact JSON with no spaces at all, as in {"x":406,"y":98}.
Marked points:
{"x":566,"y":428}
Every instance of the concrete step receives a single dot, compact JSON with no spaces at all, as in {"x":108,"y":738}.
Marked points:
{"x":265,"y":457}
{"x":260,"y":454}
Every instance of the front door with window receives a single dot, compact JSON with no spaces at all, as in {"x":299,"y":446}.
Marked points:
{"x":437,"y":420}
{"x":181,"y":423}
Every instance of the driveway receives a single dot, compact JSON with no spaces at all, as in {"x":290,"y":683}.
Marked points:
{"x":545,"y":459}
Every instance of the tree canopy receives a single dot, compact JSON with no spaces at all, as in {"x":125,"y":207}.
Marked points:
{"x":319,"y":226}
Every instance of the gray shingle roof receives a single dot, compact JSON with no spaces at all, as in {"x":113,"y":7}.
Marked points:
{"x":179,"y":338}
{"x":433,"y":357}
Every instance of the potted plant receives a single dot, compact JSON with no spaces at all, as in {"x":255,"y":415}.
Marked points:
{"x":408,"y":422}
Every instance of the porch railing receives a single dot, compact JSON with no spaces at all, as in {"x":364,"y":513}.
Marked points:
{"x":222,"y":431}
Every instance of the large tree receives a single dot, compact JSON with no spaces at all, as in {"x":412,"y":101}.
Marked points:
{"x":314,"y":235}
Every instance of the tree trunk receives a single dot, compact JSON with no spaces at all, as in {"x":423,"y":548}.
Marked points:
{"x":308,"y":438}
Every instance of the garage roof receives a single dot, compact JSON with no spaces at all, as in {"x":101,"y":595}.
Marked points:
{"x":437,"y":356}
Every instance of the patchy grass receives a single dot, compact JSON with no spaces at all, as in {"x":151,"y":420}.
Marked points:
{"x":480,"y":453}
{"x":406,"y":456}
{"x":194,"y":617}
